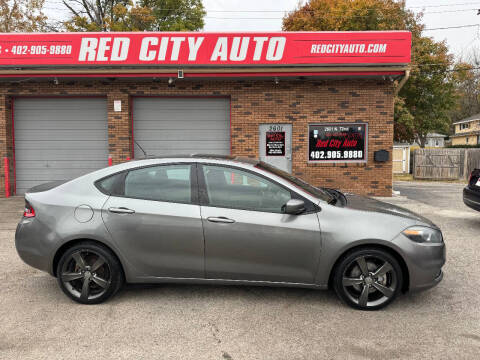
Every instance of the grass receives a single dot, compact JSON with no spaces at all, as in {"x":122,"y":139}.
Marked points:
{"x":409,"y":177}
{"x":403,"y":177}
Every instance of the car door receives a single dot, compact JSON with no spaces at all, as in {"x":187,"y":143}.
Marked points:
{"x":155,"y":220}
{"x":247,"y":237}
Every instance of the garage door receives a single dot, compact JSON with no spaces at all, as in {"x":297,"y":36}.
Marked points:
{"x":58,"y":139}
{"x":166,"y":126}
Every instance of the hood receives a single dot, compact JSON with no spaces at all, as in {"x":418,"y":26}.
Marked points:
{"x":368,"y":204}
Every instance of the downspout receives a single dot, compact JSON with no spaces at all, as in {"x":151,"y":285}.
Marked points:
{"x":403,"y":81}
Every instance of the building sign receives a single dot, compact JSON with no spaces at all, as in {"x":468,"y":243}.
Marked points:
{"x":210,"y":49}
{"x":342,"y":142}
{"x":275,"y":143}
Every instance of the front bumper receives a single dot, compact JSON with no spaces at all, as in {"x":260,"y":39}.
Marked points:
{"x":471,"y":198}
{"x":424,"y":262}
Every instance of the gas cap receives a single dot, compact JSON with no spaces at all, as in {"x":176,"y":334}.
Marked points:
{"x":83,"y":213}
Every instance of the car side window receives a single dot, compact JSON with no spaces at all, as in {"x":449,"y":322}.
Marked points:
{"x":238,"y":189}
{"x":112,"y":185}
{"x":169,"y":183}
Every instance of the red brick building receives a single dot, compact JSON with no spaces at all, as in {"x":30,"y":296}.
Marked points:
{"x":319,"y":105}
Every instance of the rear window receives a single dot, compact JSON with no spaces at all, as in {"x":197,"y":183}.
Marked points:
{"x":112,"y":185}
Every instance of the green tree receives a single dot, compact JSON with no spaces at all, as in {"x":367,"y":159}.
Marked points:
{"x":176,"y":15}
{"x":22,"y":16}
{"x":143,"y":15}
{"x":429,"y":94}
{"x":403,"y":125}
{"x":425,"y":101}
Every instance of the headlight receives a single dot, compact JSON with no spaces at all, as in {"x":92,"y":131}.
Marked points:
{"x":423,"y":234}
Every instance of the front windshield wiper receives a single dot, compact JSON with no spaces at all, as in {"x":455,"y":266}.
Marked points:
{"x":334,"y":194}
{"x":333,"y":201}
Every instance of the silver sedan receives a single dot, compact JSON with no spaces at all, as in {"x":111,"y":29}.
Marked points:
{"x":223,"y":220}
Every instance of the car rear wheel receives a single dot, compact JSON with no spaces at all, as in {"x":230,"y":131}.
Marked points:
{"x":368,"y":278}
{"x":89,"y":273}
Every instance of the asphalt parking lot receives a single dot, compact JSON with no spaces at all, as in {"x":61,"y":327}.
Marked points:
{"x":37,"y":321}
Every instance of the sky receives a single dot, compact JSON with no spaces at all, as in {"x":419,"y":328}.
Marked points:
{"x":266,"y":15}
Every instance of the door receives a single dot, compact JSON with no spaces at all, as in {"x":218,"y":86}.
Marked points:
{"x":156,"y":221}
{"x":166,"y":126}
{"x":276,"y":145}
{"x":247,"y":237}
{"x":58,"y":139}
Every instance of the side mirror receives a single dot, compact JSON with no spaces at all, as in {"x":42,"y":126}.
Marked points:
{"x":294,"y":207}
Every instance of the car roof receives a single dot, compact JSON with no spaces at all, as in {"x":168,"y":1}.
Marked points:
{"x":241,"y":159}
{"x":244,"y":162}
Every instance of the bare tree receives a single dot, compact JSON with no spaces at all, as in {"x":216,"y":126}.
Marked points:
{"x":467,"y":82}
{"x":22,"y":16}
{"x":141,"y":15}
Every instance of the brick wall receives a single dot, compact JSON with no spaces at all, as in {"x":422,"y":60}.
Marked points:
{"x":252,"y":102}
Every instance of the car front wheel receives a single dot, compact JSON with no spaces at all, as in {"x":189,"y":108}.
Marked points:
{"x":368,"y":278}
{"x":89,"y":273}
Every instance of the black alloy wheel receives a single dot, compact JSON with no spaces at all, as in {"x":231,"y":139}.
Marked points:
{"x":89,"y":273}
{"x":368,"y":279}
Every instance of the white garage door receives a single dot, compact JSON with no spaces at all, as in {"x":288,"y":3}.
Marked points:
{"x":166,"y":126}
{"x":58,"y":139}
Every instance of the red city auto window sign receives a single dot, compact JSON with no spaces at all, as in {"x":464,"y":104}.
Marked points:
{"x":275,"y":143}
{"x":340,"y":142}
{"x":209,"y":49}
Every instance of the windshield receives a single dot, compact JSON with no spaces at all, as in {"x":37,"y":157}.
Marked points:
{"x":312,"y":190}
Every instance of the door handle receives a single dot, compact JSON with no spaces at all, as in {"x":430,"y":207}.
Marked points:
{"x":220,"y":219}
{"x":121,"y":210}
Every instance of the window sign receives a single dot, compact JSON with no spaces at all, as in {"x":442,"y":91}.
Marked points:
{"x":337,"y":142}
{"x":275,"y":143}
{"x":117,"y":105}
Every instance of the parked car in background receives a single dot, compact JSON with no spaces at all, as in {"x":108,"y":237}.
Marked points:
{"x":223,"y":220}
{"x":471,"y":192}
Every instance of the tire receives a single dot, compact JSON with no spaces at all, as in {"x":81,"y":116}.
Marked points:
{"x":89,"y":273}
{"x":368,"y":284}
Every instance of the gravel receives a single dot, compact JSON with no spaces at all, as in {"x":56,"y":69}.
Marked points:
{"x":37,"y":321}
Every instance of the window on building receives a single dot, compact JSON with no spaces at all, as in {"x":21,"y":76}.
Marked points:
{"x":464,"y":126}
{"x":467,"y":140}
